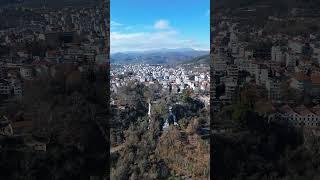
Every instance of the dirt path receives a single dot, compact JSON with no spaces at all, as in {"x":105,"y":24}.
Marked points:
{"x":117,"y":148}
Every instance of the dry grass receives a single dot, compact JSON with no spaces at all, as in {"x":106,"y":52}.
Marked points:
{"x":185,"y":153}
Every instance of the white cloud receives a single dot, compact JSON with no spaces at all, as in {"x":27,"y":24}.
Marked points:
{"x":141,"y":41}
{"x":115,"y":24}
{"x":160,"y":35}
{"x":128,"y":28}
{"x":161,"y":24}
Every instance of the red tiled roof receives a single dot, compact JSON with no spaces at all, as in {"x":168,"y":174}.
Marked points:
{"x":22,"y":124}
{"x":300,"y":76}
{"x":316,"y":109}
{"x":53,"y":53}
{"x":303,"y":110}
{"x":286,"y":109}
{"x":46,"y":63}
{"x":315,"y":79}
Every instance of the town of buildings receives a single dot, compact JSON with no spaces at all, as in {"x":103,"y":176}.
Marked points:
{"x":172,"y":79}
{"x":39,"y":42}
{"x":290,"y":64}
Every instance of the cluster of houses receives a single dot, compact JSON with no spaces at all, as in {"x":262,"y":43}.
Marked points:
{"x":42,"y":24}
{"x":297,"y":116}
{"x":285,"y":63}
{"x":80,"y":29}
{"x":45,"y":43}
{"x":171,"y":79}
{"x":19,"y":141}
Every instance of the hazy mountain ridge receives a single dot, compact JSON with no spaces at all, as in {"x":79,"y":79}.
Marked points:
{"x":160,"y":56}
{"x":205,"y":59}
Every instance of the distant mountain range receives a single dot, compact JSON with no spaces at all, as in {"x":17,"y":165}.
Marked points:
{"x":159,"y":56}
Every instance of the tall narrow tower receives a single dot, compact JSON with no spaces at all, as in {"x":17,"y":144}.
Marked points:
{"x":149,"y":109}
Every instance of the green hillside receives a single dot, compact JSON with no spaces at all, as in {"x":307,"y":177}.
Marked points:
{"x":205,"y":59}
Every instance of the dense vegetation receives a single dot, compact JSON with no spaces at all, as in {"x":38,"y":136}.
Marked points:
{"x":254,"y":148}
{"x":65,"y":107}
{"x":149,"y":152}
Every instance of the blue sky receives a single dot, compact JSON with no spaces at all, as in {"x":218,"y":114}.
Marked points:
{"x":138,"y":25}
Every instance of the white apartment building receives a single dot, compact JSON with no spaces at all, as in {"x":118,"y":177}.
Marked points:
{"x":261,"y":75}
{"x":273,"y":88}
{"x":277,"y":55}
{"x":231,"y":86}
